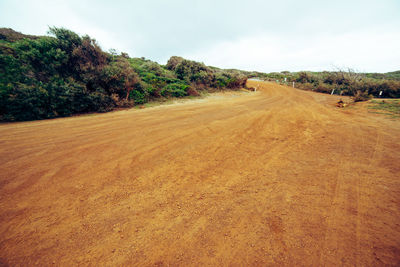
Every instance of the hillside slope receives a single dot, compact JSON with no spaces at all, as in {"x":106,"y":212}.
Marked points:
{"x":276,"y":177}
{"x":63,"y":74}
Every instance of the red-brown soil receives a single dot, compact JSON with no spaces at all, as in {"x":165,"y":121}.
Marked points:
{"x":275,"y":177}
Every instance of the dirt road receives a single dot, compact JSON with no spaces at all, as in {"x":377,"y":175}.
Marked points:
{"x":275,"y":177}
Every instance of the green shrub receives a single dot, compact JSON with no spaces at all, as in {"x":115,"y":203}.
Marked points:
{"x":175,"y":89}
{"x":24,"y":102}
{"x":138,"y":97}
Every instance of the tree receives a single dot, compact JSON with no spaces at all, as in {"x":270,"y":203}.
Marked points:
{"x":119,"y":77}
{"x":173,"y":62}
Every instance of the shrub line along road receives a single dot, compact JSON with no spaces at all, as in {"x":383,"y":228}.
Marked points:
{"x":276,"y":177}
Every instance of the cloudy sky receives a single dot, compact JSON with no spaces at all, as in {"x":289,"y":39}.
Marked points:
{"x":252,"y":35}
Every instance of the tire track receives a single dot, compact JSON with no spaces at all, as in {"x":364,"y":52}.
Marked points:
{"x":330,"y":250}
{"x":278,"y":177}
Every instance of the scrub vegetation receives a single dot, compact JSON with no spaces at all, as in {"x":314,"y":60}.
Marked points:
{"x":65,"y":74}
{"x":361,"y":86}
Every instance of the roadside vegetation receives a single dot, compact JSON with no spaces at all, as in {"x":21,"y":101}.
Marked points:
{"x":64,"y":74}
{"x":388,"y":107}
{"x":361,"y":86}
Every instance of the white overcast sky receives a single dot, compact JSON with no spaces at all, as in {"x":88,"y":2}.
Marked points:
{"x":248,"y":34}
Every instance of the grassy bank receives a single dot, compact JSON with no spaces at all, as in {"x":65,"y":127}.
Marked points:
{"x":388,"y":107}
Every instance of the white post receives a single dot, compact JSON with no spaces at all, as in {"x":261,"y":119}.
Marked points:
{"x":293,"y":84}
{"x":333,"y":90}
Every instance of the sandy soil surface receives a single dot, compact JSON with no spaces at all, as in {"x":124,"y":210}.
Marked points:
{"x":275,"y":177}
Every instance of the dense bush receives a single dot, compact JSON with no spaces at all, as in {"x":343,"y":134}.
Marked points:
{"x":47,"y":77}
{"x":202,"y":77}
{"x":361,"y":96}
{"x":64,"y":74}
{"x":351,"y":83}
{"x":175,"y":89}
